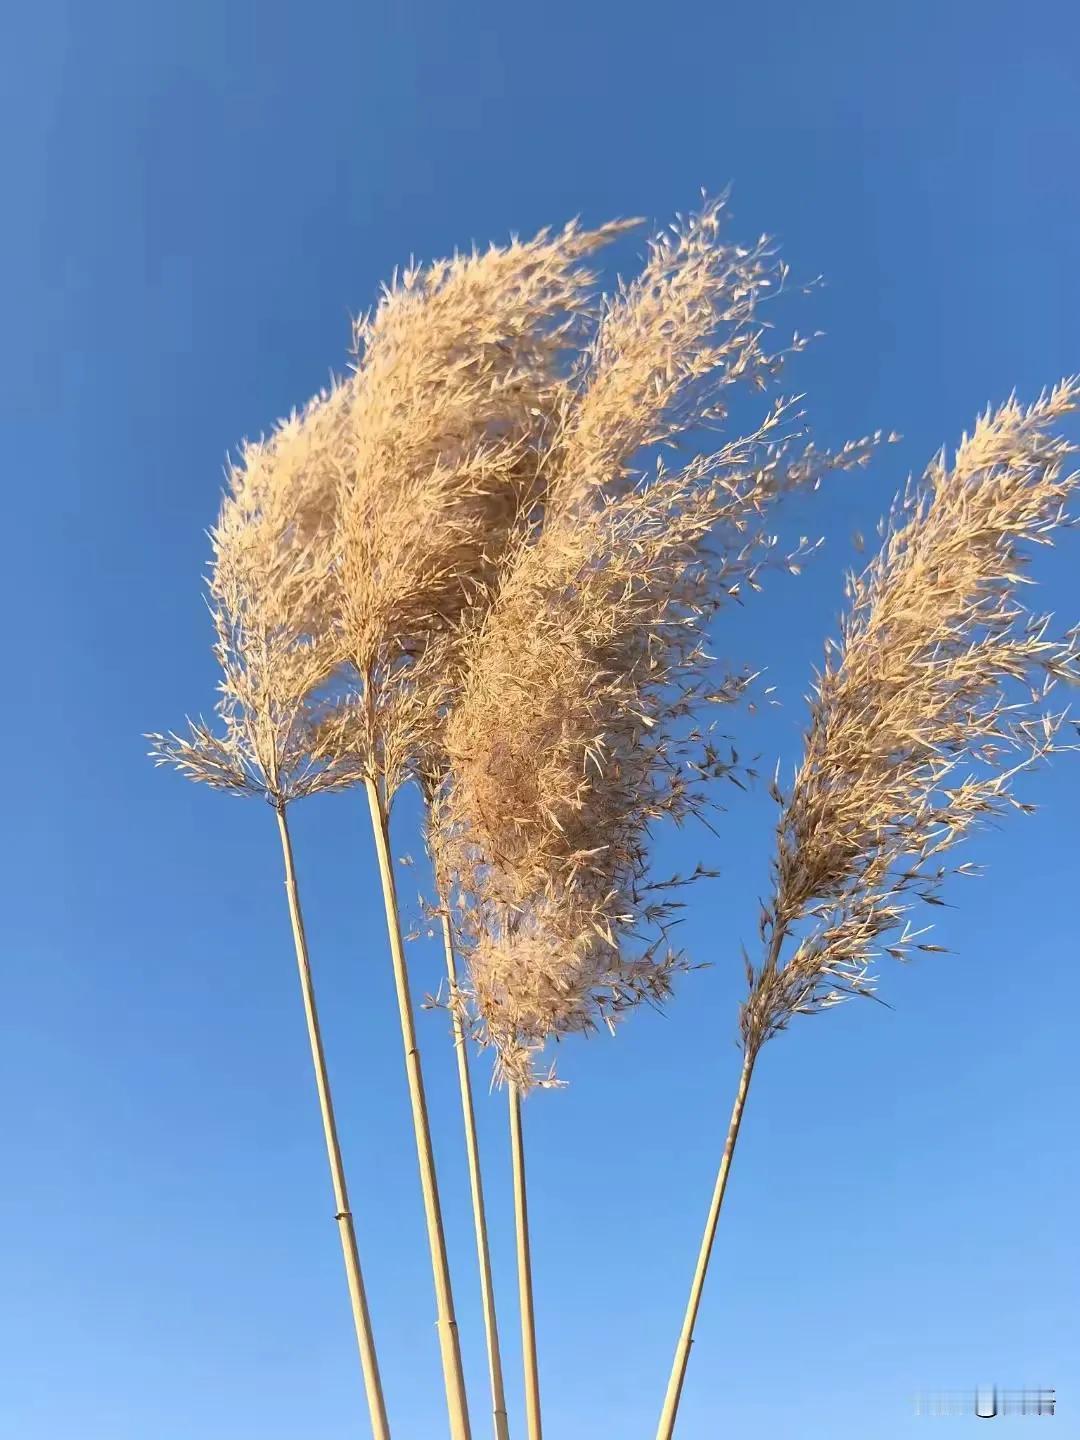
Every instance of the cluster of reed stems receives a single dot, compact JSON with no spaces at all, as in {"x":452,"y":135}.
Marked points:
{"x":471,"y":564}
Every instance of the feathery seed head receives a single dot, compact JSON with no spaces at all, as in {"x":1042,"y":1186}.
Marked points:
{"x":935,"y":698}
{"x":571,"y":733}
{"x":268,"y":584}
{"x":457,"y":379}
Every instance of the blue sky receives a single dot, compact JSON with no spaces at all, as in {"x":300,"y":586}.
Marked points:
{"x":198,"y":196}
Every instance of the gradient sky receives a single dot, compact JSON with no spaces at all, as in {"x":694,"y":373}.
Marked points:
{"x":197,"y":197}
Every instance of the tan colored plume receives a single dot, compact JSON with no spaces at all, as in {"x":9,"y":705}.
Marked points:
{"x":573,"y":733}
{"x":934,"y":700}
{"x":268,"y":587}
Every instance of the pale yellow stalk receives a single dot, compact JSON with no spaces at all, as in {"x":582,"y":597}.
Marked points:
{"x":524,"y":1266}
{"x":476,"y":1185}
{"x":365,"y":1339}
{"x":666,"y":1428}
{"x":446,"y":1323}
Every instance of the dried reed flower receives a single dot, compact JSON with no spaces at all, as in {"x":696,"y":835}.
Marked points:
{"x":567,"y":742}
{"x":267,"y":585}
{"x":934,"y":700}
{"x":458,"y":375}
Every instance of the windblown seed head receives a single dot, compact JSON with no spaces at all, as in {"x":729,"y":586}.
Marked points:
{"x":572,"y":733}
{"x":562,"y":749}
{"x":458,"y":375}
{"x":669,"y":347}
{"x":935,"y":698}
{"x":268,"y":586}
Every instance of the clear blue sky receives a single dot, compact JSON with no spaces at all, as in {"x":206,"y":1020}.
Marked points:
{"x":196,"y":197}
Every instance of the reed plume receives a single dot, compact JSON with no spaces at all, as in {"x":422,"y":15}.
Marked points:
{"x":934,"y":699}
{"x":264,"y":588}
{"x":457,"y":379}
{"x":566,"y":742}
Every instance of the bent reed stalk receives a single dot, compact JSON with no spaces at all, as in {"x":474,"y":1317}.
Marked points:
{"x":938,"y":667}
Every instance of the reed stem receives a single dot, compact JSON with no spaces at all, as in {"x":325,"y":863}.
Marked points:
{"x":365,"y":1339}
{"x":476,"y":1184}
{"x":446,"y":1324}
{"x":524,"y":1264}
{"x":666,"y":1428}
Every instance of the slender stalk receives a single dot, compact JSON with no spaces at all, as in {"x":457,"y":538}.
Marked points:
{"x":446,"y":1324}
{"x":524,"y":1264}
{"x":476,"y":1184}
{"x":666,"y":1427}
{"x":365,"y":1339}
